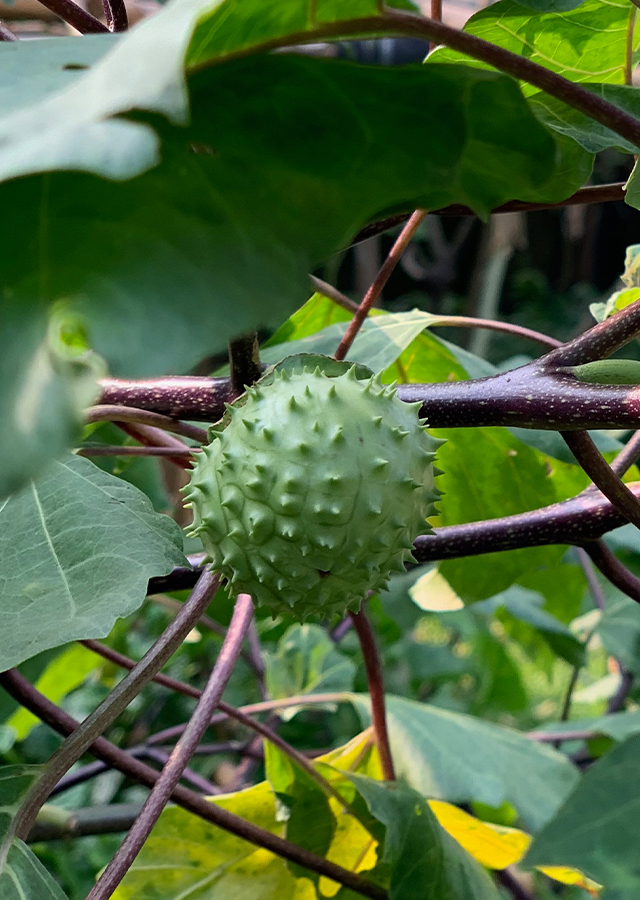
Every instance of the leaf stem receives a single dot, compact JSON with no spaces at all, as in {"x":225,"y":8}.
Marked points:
{"x":376,"y":690}
{"x":182,"y":753}
{"x":392,"y":260}
{"x":90,"y":450}
{"x":130,"y":686}
{"x":19,"y":688}
{"x":115,"y":13}
{"x":114,"y":413}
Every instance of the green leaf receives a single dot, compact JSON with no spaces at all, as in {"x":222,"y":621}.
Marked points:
{"x":598,"y":828}
{"x":526,"y":606}
{"x":186,"y":856}
{"x":455,"y":757}
{"x":424,"y":861}
{"x":63,"y":675}
{"x":378,"y":344}
{"x":49,"y":377}
{"x":619,"y":631}
{"x":22,"y":875}
{"x":300,"y":802}
{"x":306,"y":662}
{"x":77,"y":549}
{"x":616,"y":725}
{"x":587,"y":43}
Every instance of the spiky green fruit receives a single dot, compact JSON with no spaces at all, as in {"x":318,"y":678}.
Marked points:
{"x":314,"y":492}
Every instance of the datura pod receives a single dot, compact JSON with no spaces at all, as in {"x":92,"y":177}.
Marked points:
{"x":314,"y":491}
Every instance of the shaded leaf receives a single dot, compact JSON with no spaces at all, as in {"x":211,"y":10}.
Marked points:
{"x":63,"y":675}
{"x":306,"y":662}
{"x":455,"y":757}
{"x":425,"y":862}
{"x":619,"y":630}
{"x":77,"y":549}
{"x":598,"y":828}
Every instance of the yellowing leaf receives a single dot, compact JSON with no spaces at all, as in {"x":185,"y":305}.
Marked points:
{"x":497,"y":846}
{"x":494,"y":846}
{"x":571,"y":876}
{"x":433,"y":593}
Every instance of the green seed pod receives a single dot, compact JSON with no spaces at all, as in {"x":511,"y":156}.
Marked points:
{"x":314,"y":492}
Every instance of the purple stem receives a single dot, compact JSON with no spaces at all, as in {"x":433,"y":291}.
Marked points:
{"x":115,"y":12}
{"x":115,"y":413}
{"x":76,"y":16}
{"x":376,"y":690}
{"x":182,"y":753}
{"x":105,"y":714}
{"x":613,"y":570}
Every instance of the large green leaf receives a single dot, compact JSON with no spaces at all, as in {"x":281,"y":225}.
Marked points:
{"x":22,"y":875}
{"x":455,"y":757}
{"x":426,"y":863}
{"x":584,"y":44}
{"x":306,"y":661}
{"x":598,"y":828}
{"x":77,"y":549}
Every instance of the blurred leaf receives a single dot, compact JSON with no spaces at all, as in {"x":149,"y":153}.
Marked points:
{"x":598,"y":828}
{"x":616,"y":725}
{"x":526,"y":606}
{"x":61,"y":676}
{"x":455,"y":757}
{"x":22,"y":875}
{"x":187,"y":856}
{"x":306,"y":662}
{"x":424,"y":861}
{"x":568,"y":41}
{"x":619,"y":630}
{"x":77,"y":549}
{"x":501,"y":686}
{"x":48,"y":379}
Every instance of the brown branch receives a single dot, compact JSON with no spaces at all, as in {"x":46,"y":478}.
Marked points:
{"x":171,"y":773}
{"x":375,"y":680}
{"x":76,"y":16}
{"x":602,"y":475}
{"x":114,"y":413}
{"x":613,"y":570}
{"x":379,"y":282}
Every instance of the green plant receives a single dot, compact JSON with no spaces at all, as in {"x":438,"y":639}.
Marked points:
{"x":169,"y":190}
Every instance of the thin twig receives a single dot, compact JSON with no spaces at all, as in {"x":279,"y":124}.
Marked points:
{"x":628,"y":456}
{"x":511,"y":883}
{"x":590,"y":575}
{"x":125,"y":450}
{"x":496,"y":325}
{"x":332,"y":293}
{"x":113,"y":413}
{"x":182,"y":753}
{"x":76,"y":16}
{"x":174,"y":605}
{"x":115,"y":13}
{"x":602,"y":475}
{"x":379,"y":282}
{"x":613,"y":569}
{"x":105,"y":714}
{"x":19,"y":688}
{"x":376,"y":690}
